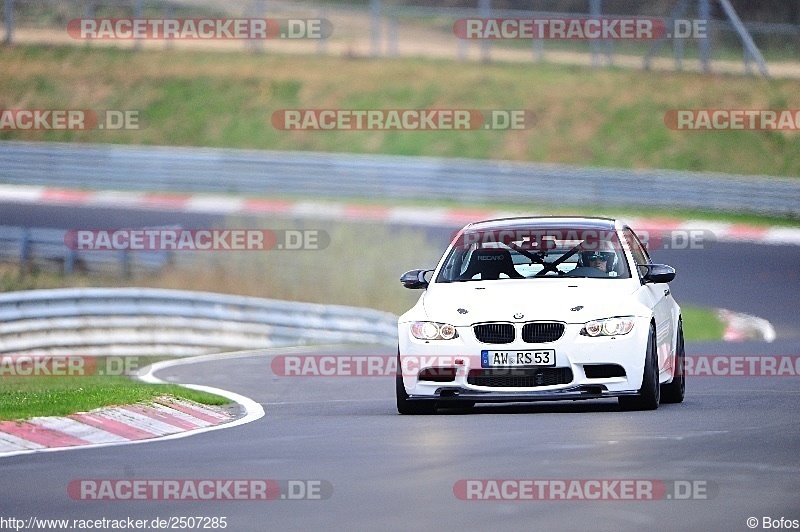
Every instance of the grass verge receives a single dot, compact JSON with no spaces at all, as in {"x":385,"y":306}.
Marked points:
{"x":701,"y":324}
{"x":27,"y":397}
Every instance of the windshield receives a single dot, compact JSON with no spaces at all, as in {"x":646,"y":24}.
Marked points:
{"x":533,"y":253}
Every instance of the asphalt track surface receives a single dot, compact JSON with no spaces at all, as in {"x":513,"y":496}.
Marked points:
{"x":738,"y":437}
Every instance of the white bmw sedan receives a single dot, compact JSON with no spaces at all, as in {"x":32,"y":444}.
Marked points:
{"x":541,"y":309}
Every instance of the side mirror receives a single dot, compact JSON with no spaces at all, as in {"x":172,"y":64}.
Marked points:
{"x":658,"y":273}
{"x":415,"y":279}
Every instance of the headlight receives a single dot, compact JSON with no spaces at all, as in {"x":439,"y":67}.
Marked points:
{"x":608,"y":327}
{"x":431,"y":330}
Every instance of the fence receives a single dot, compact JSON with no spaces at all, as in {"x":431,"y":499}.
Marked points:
{"x":309,"y":175}
{"x":44,"y":249}
{"x":142,"y":322}
{"x":385,"y":28}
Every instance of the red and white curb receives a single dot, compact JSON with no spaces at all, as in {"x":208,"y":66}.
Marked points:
{"x":427,"y":216}
{"x":165,"y":415}
{"x":165,"y":418}
{"x":740,"y":327}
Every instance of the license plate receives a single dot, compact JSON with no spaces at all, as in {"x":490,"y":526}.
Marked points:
{"x":518,"y":359}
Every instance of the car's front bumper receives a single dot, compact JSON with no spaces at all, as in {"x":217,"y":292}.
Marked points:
{"x":453,"y":360}
{"x":453,"y":394}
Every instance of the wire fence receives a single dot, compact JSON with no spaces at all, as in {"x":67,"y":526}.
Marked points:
{"x":389,"y":29}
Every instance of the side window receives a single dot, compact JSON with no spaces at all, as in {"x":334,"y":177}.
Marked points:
{"x":464,"y":258}
{"x":455,"y":265}
{"x":640,"y":255}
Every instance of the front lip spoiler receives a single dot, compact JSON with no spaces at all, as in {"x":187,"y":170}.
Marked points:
{"x":455,"y":394}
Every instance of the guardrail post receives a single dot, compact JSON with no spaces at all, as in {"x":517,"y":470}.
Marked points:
{"x":138,"y":12}
{"x":705,"y":42}
{"x":678,"y":52}
{"x":375,"y":27}
{"x":485,"y":8}
{"x":676,"y":13}
{"x":8,"y":14}
{"x":257,"y":11}
{"x":69,"y":261}
{"x":24,"y":250}
{"x":90,"y":7}
{"x":125,"y":260}
{"x":322,"y":44}
{"x":595,"y":9}
{"x":169,"y":12}
{"x":538,"y":50}
{"x":747,"y":58}
{"x":392,"y":37}
{"x":462,"y":51}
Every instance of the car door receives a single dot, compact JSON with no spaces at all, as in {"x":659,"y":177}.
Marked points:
{"x":660,"y":300}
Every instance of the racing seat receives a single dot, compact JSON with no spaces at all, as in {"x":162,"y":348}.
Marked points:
{"x":490,"y":263}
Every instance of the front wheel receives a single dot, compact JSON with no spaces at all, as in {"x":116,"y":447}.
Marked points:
{"x":675,"y":391}
{"x":650,"y":392}
{"x":406,"y":406}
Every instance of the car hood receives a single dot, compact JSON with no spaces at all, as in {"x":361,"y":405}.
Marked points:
{"x":535,"y":299}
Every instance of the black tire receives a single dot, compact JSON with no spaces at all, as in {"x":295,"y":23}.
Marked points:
{"x":404,"y":405}
{"x":650,"y":392}
{"x":675,"y":391}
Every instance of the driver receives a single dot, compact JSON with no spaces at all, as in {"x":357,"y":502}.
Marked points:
{"x":602,"y":260}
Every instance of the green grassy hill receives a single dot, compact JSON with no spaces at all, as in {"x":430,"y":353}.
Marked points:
{"x":607,"y":117}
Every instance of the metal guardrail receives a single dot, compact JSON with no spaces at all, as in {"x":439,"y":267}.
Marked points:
{"x":144,"y":321}
{"x":44,"y":249}
{"x":313,"y":174}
